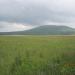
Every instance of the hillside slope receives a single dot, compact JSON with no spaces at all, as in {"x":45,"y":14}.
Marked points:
{"x":45,"y":30}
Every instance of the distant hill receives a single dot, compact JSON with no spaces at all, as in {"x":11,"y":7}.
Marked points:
{"x":44,"y":30}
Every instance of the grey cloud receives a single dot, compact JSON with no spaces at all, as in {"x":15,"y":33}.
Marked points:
{"x":36,"y":12}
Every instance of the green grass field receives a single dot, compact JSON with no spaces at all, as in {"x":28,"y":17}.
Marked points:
{"x":37,"y":55}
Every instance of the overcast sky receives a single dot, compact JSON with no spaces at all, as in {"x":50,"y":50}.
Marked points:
{"x":36,"y":12}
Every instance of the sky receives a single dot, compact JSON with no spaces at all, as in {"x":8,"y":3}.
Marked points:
{"x":25,"y":14}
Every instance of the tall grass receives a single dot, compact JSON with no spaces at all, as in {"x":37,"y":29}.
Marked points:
{"x":37,"y":55}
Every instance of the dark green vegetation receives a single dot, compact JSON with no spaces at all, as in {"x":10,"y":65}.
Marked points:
{"x":45,"y":30}
{"x":37,"y":55}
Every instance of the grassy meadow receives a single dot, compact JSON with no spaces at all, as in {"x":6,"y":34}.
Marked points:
{"x":37,"y":55}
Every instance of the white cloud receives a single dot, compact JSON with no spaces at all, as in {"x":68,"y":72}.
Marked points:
{"x":7,"y":27}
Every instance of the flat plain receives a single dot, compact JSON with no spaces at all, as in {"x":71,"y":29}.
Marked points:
{"x":37,"y":55}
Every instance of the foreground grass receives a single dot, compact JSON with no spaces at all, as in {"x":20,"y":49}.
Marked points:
{"x":37,"y":55}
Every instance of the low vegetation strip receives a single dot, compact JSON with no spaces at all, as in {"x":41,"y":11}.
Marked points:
{"x":37,"y":55}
